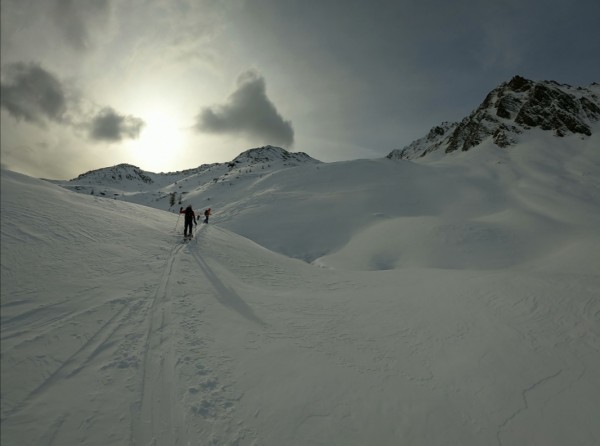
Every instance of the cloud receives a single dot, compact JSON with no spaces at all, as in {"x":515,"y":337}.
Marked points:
{"x":248,"y":111}
{"x":33,"y":94}
{"x":77,"y":18}
{"x":108,"y":125}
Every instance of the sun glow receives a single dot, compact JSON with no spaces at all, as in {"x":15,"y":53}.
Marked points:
{"x":160,"y":142}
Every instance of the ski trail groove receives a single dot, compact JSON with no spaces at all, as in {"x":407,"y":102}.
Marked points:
{"x":213,"y":396}
{"x":158,"y":418}
{"x":78,"y":360}
{"x":525,"y":405}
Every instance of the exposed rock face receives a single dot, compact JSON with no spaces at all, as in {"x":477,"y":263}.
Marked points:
{"x":554,"y":109}
{"x":268,"y":154}
{"x":511,"y":109}
{"x":118,"y":173}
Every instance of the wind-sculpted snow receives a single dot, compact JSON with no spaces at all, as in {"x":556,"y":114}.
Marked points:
{"x":447,"y":302}
{"x":364,"y":302}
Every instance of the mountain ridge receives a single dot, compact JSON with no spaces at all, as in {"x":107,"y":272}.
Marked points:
{"x":510,"y":110}
{"x":505,"y":116}
{"x":257,"y":155}
{"x":131,"y":183}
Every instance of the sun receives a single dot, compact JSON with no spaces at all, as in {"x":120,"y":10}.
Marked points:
{"x":160,"y":142}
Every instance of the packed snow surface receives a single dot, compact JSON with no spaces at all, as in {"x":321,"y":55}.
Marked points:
{"x":371,"y":302}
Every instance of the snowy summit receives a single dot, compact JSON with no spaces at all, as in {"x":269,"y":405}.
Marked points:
{"x":445,"y":300}
{"x":270,"y":154}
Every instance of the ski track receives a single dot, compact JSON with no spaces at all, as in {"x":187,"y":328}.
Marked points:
{"x":177,"y":351}
{"x":149,"y":345}
{"x":154,"y":421}
{"x":78,"y":360}
{"x":525,"y":406}
{"x":47,"y":318}
{"x":183,"y":350}
{"x":56,"y":376}
{"x":212,"y":401}
{"x":160,"y":333}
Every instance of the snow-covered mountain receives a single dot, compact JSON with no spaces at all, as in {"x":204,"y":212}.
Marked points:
{"x":441,"y":300}
{"x":508,"y":111}
{"x":563,"y":115}
{"x":267,"y":155}
{"x":128,"y":176}
{"x":506,"y":117}
{"x":168,"y":191}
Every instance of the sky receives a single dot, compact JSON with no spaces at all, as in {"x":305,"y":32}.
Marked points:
{"x":170,"y":85}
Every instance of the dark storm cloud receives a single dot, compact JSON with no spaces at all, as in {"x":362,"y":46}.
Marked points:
{"x":249,"y":111}
{"x":33,"y":94}
{"x":382,"y":73}
{"x":76,"y":20}
{"x":108,"y":125}
{"x":30,"y":93}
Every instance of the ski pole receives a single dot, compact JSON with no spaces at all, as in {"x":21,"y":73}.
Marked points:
{"x":177,"y":222}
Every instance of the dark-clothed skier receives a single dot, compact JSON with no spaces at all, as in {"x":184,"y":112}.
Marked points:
{"x":206,"y":214}
{"x":190,"y":217}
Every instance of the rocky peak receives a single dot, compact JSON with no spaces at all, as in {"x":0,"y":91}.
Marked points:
{"x":511,"y":109}
{"x":116,"y":174}
{"x":270,"y":154}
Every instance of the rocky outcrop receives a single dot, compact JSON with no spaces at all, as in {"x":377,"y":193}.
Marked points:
{"x":508,"y":111}
{"x":269,"y":154}
{"x":117,"y":174}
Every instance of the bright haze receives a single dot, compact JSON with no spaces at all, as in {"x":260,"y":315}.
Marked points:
{"x":171,"y":85}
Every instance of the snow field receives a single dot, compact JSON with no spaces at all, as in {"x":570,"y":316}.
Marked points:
{"x":367,"y":302}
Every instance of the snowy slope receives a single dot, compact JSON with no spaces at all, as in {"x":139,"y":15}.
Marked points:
{"x":490,"y":208}
{"x":447,"y":302}
{"x":169,"y":191}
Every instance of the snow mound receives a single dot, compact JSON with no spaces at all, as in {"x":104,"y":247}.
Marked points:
{"x":505,"y":209}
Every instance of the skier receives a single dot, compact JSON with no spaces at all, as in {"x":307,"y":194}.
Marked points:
{"x":206,"y":214}
{"x":190,"y":217}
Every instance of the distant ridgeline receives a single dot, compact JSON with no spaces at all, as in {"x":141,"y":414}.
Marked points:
{"x":117,"y":173}
{"x":271,"y":154}
{"x":508,"y":111}
{"x":249,"y":158}
{"x":125,"y":180}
